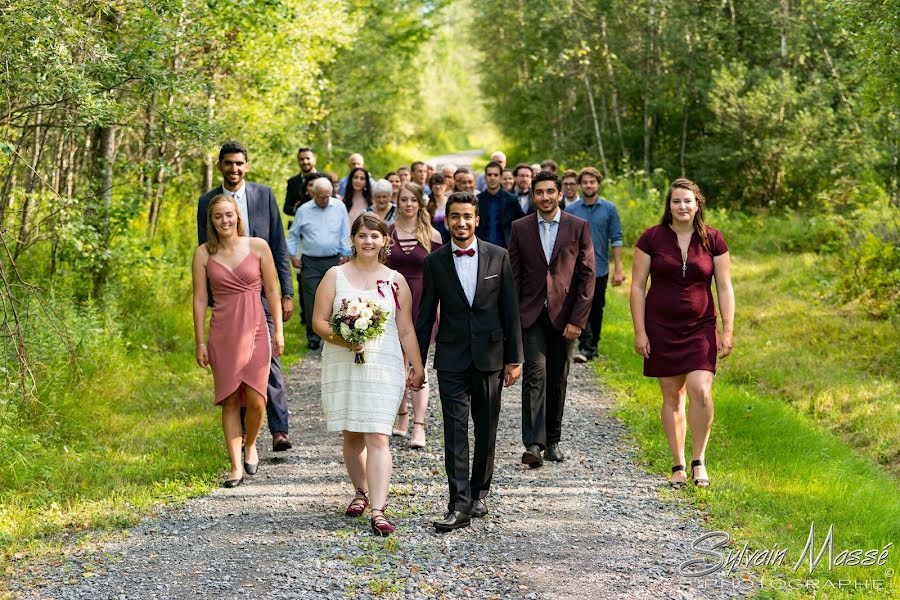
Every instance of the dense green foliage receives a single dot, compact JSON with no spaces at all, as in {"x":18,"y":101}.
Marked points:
{"x":766,"y":103}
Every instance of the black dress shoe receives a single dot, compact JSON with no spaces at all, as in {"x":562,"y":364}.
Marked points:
{"x":313,"y":344}
{"x":532,"y":456}
{"x":479,"y":509}
{"x":251,"y":469}
{"x":454,"y":519}
{"x":554,"y":453}
{"x":232,"y":483}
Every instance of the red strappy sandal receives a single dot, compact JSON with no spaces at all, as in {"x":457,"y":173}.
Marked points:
{"x":358,"y":504}
{"x":380,"y":525}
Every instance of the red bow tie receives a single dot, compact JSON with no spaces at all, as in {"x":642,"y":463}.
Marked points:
{"x":469,"y":252}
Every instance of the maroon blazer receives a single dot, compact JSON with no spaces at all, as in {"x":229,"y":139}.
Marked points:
{"x":566,"y":284}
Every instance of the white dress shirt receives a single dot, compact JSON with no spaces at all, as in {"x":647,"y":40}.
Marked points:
{"x":548,"y":230}
{"x":467,"y":269}
{"x":240,"y":196}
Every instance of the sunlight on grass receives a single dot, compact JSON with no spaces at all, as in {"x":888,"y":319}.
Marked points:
{"x":796,"y":428}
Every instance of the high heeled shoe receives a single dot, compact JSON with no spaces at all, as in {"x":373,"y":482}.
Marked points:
{"x":380,"y":525}
{"x":398,"y":431}
{"x":358,"y":505}
{"x":677,"y":485}
{"x":699,"y":481}
{"x":416,"y":442}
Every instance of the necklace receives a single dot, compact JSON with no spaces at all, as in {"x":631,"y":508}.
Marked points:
{"x":407,"y":231}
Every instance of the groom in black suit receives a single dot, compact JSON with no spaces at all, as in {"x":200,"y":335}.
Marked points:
{"x":479,"y":350}
{"x":259,"y":211}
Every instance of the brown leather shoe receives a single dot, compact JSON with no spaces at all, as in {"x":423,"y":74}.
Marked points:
{"x":280,"y":442}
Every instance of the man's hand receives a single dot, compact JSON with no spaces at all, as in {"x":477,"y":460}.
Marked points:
{"x":511,"y":374}
{"x":572,"y":332}
{"x":343,"y":259}
{"x":295,"y":260}
{"x":287,"y":308}
{"x":618,"y":278}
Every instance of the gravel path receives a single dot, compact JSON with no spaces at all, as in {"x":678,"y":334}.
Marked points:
{"x":591,"y":527}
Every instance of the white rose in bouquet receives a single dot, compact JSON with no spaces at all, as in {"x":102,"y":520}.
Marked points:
{"x":345,"y":331}
{"x":354,"y":308}
{"x":366,"y":313}
{"x":361,"y":324}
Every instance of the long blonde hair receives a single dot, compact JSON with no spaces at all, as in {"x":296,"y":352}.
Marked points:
{"x":423,"y":217}
{"x":212,"y":236}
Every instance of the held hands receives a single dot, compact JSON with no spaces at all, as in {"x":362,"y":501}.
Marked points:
{"x":511,"y":374}
{"x":642,"y":344}
{"x":618,"y":278}
{"x":415,"y":379}
{"x":295,"y":261}
{"x":725,"y":344}
{"x":572,"y":331}
{"x":202,"y":356}
{"x":278,"y":344}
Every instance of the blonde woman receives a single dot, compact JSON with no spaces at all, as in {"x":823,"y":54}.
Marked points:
{"x":414,"y":238}
{"x":239,"y":348}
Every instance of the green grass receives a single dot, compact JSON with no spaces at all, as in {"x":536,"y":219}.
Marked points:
{"x":804,"y":409}
{"x":131,"y":428}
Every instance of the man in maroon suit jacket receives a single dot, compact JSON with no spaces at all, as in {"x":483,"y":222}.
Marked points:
{"x":552,"y":260}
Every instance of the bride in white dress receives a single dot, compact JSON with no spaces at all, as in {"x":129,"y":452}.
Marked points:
{"x":361,"y":400}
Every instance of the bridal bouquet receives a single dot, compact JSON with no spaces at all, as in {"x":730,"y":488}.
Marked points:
{"x":358,"y":321}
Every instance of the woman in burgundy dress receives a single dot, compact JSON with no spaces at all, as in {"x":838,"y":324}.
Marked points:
{"x":414,"y":238}
{"x":675,"y":322}
{"x":239,"y":348}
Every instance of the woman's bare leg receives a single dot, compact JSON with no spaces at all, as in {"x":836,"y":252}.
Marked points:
{"x":700,"y":415}
{"x":231,"y":427}
{"x":673,"y":420}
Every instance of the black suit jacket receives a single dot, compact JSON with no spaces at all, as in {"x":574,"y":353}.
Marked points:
{"x":296,"y":194}
{"x":264,"y":221}
{"x":487,"y":334}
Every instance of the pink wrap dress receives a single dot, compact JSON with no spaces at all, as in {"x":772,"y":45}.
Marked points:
{"x":239,"y":345}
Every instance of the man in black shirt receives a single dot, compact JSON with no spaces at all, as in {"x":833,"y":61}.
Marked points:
{"x":296,"y":185}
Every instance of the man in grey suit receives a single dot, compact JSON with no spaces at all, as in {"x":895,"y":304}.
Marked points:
{"x":262,"y":219}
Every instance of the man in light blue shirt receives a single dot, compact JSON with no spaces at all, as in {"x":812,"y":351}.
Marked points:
{"x":321,"y":232}
{"x":606,"y":231}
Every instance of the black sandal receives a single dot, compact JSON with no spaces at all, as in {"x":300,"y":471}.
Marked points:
{"x":677,"y":485}
{"x":699,"y":481}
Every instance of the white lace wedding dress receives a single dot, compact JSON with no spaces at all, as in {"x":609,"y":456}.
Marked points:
{"x":364,"y":398}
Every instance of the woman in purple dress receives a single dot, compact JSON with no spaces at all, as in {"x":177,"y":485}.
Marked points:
{"x":414,"y":238}
{"x":675,"y":322}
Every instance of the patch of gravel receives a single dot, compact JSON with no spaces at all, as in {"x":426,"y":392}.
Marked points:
{"x":593,"y":526}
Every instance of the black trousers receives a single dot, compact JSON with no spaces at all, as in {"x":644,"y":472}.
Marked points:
{"x":476,"y":392}
{"x":590,"y":336}
{"x":276,"y":392}
{"x":312,"y":270}
{"x":547,"y":355}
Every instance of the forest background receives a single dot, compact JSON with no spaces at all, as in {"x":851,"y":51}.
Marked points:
{"x":111,"y":113}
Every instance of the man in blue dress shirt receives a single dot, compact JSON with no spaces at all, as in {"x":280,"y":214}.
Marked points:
{"x":606,"y":231}
{"x":322,"y":228}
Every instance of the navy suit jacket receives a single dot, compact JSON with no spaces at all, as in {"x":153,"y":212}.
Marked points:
{"x":264,"y":221}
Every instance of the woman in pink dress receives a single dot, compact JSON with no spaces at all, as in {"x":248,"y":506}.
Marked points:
{"x":675,"y":322}
{"x":236,"y":268}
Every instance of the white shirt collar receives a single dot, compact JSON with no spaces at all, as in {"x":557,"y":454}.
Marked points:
{"x":555,"y":219}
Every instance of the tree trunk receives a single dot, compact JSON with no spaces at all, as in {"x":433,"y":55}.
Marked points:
{"x":37,"y":151}
{"x":104,"y":158}
{"x":613,"y":89}
{"x":648,"y":77}
{"x":590,"y":95}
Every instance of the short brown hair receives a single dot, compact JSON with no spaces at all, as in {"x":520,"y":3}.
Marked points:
{"x":590,"y":171}
{"x":569,"y":173}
